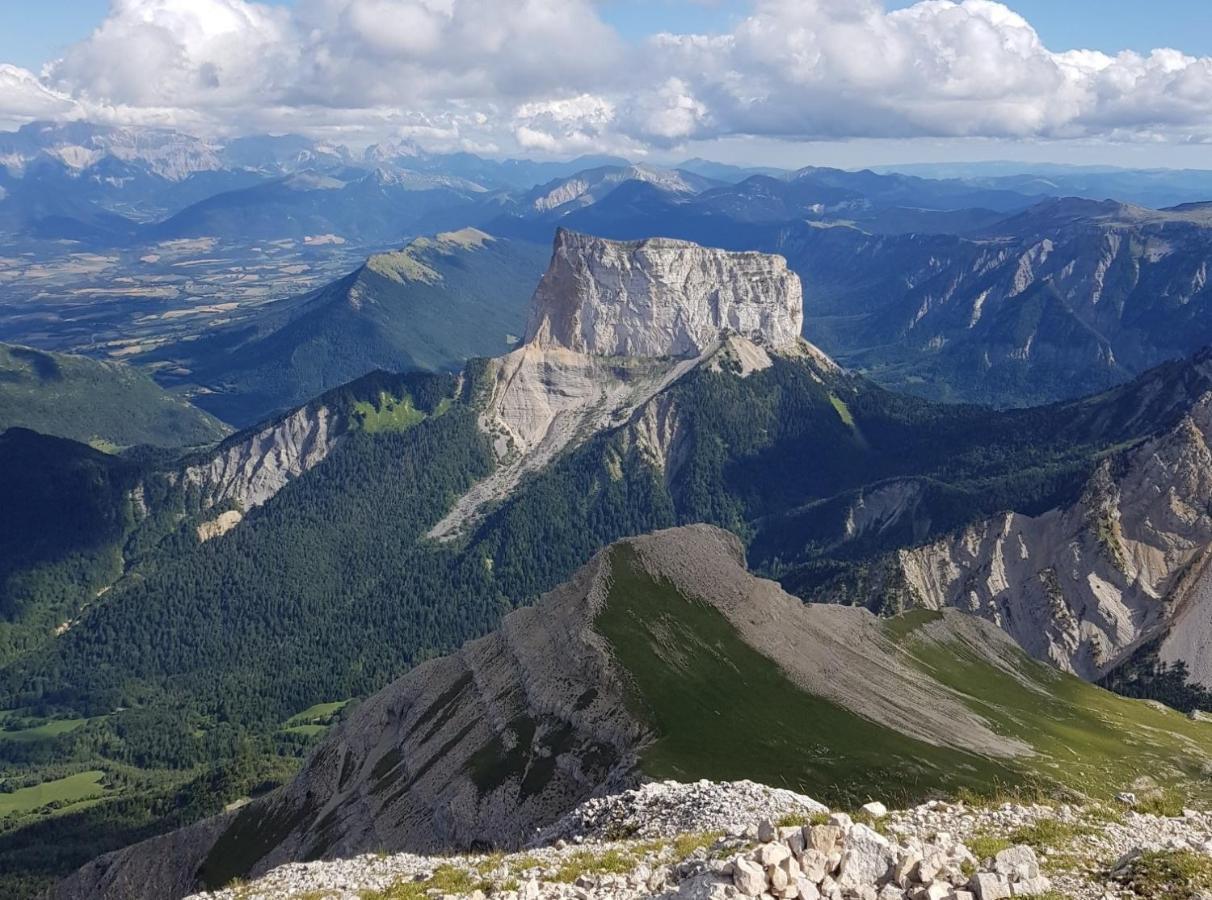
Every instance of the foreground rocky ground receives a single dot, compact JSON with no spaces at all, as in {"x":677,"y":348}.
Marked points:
{"x":707,"y":841}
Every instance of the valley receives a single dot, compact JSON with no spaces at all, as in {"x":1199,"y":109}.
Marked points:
{"x":122,"y":303}
{"x":410,"y":504}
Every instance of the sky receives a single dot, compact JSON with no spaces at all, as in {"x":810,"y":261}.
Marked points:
{"x":781,"y":82}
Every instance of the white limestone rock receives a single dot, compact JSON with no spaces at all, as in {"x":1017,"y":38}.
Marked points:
{"x":661,"y":297}
{"x":749,"y":877}
{"x":867,"y":859}
{"x":1017,"y":863}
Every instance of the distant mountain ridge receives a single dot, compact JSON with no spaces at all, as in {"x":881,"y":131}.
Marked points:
{"x":431,"y":305}
{"x":106,"y":403}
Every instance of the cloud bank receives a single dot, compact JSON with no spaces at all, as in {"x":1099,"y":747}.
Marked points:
{"x":549,"y":76}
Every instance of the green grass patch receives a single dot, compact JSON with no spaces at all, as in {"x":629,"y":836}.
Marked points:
{"x":445,"y":880}
{"x":686,"y":845}
{"x":900,"y":627}
{"x":1049,"y":834}
{"x":721,"y":710}
{"x":985,"y":845}
{"x":62,"y":792}
{"x":843,"y":410}
{"x":587,"y":862}
{"x":1165,"y":803}
{"x":1087,"y":740}
{"x":48,"y":730}
{"x":321,"y":712}
{"x":1169,"y":875}
{"x":796,"y":820}
{"x":388,"y":414}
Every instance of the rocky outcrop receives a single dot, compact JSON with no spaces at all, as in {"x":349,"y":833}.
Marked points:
{"x":541,"y":401}
{"x":247,"y":470}
{"x":661,"y":297}
{"x":718,"y":841}
{"x":1083,"y":586}
{"x":613,"y":324}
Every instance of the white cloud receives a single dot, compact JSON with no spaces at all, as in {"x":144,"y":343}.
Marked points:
{"x":24,"y":97}
{"x":550,"y":76}
{"x":848,"y":68}
{"x":198,"y":55}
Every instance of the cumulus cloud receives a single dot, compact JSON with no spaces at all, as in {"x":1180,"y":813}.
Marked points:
{"x":550,"y":76}
{"x":24,"y":97}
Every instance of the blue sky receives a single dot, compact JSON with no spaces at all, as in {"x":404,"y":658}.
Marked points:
{"x":1113,"y":25}
{"x":37,"y":30}
{"x":801,"y":81}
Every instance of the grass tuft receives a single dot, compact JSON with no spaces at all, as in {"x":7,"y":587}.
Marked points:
{"x":1169,"y":875}
{"x":610,"y":862}
{"x":985,"y":845}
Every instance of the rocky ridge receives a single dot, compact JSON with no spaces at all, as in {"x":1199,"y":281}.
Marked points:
{"x":725,"y":841}
{"x":247,"y":471}
{"x":487,"y":745}
{"x":498,"y":744}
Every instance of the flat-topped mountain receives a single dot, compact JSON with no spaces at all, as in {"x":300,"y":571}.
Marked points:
{"x":613,"y":324}
{"x":661,"y":297}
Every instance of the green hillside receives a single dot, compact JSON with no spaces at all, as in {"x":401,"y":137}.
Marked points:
{"x":430,"y":306}
{"x":64,"y":546}
{"x":105,"y":404}
{"x":722,"y":710}
{"x":338,"y":561}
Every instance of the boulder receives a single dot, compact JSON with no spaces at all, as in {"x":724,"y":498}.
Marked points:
{"x":1030,"y":887}
{"x":815,"y":865}
{"x":772,"y":854}
{"x":1017,"y":863}
{"x":867,"y":859}
{"x":990,"y":886}
{"x":824,"y":838}
{"x":749,"y":877}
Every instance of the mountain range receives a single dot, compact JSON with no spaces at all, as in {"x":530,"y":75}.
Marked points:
{"x":961,"y":288}
{"x":590,"y":473}
{"x":430,"y":305}
{"x":238,"y":594}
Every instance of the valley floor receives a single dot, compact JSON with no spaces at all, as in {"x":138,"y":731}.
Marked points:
{"x":711,"y":841}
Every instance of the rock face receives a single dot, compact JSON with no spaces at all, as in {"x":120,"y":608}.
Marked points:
{"x":661,"y":297}
{"x":1067,"y":298}
{"x":249,"y":469}
{"x":1085,"y":585}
